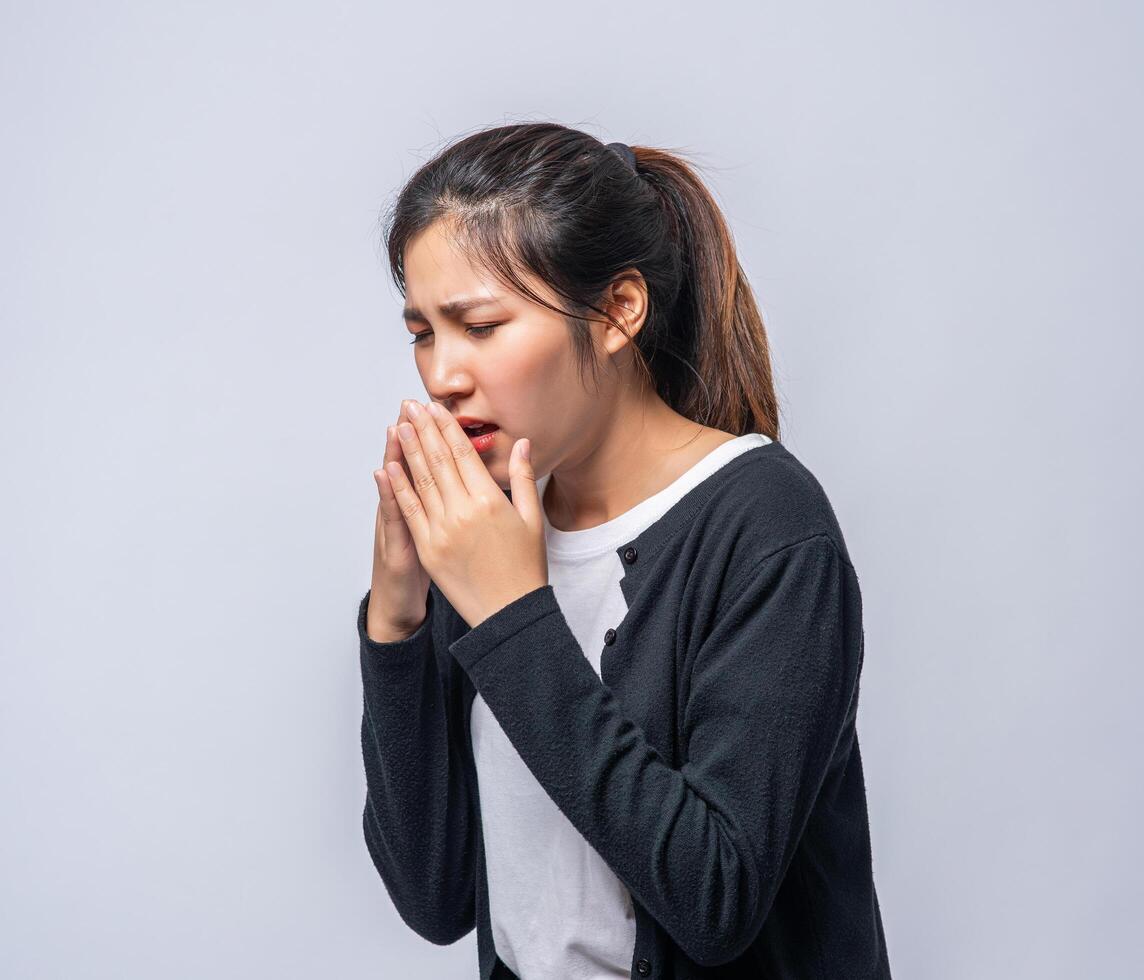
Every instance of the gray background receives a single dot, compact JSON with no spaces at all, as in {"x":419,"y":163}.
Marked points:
{"x":939,"y":207}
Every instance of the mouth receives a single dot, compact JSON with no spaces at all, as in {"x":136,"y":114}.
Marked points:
{"x":482,"y":436}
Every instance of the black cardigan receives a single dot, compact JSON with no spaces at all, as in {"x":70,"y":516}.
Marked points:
{"x":713,"y":764}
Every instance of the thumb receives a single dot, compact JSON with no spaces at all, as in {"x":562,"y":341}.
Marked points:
{"x":522,"y":481}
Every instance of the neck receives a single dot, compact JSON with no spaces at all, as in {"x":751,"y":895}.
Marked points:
{"x":637,"y":454}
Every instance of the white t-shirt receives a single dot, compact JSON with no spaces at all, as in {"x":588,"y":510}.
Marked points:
{"x":556,"y":908}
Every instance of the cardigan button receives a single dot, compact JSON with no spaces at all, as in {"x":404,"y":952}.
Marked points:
{"x":630,"y":555}
{"x":643,"y":967}
{"x":610,"y":637}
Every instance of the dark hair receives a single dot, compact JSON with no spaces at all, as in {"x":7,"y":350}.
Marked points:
{"x":559,"y":204}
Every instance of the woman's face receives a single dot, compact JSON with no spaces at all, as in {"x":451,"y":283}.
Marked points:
{"x":521,"y":374}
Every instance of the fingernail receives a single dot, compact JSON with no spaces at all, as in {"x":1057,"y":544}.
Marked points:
{"x":405,"y":430}
{"x":414,"y":410}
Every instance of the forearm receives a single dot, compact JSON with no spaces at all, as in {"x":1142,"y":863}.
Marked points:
{"x":704,"y":847}
{"x":418,"y":818}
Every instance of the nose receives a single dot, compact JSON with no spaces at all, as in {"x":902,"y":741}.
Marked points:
{"x":447,"y":378}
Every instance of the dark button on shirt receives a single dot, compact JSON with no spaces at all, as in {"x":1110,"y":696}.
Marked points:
{"x":610,"y":637}
{"x":630,"y":555}
{"x":643,"y":967}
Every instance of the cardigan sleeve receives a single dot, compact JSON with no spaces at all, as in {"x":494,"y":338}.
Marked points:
{"x":704,"y":847}
{"x":419,"y":818}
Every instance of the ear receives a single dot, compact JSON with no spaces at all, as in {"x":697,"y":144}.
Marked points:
{"x":626,"y":301}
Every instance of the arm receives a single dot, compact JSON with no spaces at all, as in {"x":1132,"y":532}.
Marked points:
{"x":703,"y":848}
{"x":419,"y":819}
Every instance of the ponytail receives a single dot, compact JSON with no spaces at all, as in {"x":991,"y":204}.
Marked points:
{"x":715,"y":318}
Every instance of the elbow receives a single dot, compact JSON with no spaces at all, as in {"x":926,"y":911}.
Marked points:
{"x":440,"y":918}
{"x":439,"y":929}
{"x":712,"y":949}
{"x":724,"y":927}
{"x":441,"y":915}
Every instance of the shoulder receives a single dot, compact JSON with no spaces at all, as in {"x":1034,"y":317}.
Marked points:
{"x":768,"y":502}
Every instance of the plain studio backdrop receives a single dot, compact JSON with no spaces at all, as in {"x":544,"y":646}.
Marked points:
{"x":939,"y":208}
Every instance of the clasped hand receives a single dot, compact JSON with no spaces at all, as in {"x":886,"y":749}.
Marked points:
{"x":481,"y":549}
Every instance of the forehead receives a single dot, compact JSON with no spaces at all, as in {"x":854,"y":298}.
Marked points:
{"x":440,"y":280}
{"x":434,"y":254}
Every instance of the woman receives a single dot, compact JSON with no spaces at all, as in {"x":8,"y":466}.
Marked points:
{"x":609,"y":712}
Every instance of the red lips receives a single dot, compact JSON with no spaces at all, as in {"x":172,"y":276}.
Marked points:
{"x":475,"y":426}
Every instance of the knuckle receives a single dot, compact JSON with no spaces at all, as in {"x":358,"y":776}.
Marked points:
{"x":437,"y":456}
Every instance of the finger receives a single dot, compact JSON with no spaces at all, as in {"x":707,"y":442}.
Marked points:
{"x":389,"y":507}
{"x":438,"y":455}
{"x":398,"y":448}
{"x":378,"y":533}
{"x":393,"y":447}
{"x":401,"y":417}
{"x":474,"y":474}
{"x":522,"y":480}
{"x":394,"y":530}
{"x":424,"y":483}
{"x":410,"y":504}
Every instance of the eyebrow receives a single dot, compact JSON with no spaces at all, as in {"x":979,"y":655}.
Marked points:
{"x":451,"y":310}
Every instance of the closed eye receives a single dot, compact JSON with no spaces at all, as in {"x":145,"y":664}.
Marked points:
{"x":482,"y":331}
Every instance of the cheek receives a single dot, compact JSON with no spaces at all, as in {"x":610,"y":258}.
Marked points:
{"x":527,"y":387}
